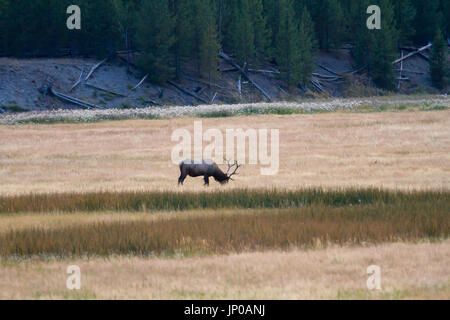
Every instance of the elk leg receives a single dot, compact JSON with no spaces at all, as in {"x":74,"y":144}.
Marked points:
{"x":181,"y":178}
{"x":206,"y":178}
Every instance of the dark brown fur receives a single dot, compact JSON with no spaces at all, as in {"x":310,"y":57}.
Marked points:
{"x":205,"y":168}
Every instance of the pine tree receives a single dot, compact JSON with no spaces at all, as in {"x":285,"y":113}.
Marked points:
{"x":356,"y":27}
{"x":384,"y":49}
{"x":242,"y":39}
{"x":306,"y":40}
{"x":32,"y":28}
{"x":445,"y":5}
{"x":155,"y":36}
{"x":3,"y":6}
{"x":335,"y":26}
{"x":301,"y":6}
{"x":330,"y":26}
{"x":426,"y":21}
{"x":99,"y":33}
{"x":438,"y":61}
{"x":261,"y":32}
{"x":376,"y":49}
{"x":404,"y":16}
{"x":272,"y":14}
{"x":288,"y":41}
{"x":209,"y":51}
{"x":184,"y":32}
{"x":126,"y":13}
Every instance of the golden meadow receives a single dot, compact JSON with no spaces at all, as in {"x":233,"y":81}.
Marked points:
{"x":263,"y":220}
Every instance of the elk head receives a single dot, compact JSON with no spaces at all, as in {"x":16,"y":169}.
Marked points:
{"x":236,"y":166}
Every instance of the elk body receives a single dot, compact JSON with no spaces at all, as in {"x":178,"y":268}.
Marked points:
{"x":206,"y":168}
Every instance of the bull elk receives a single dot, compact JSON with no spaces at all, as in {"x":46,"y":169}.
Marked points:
{"x":206,"y":168}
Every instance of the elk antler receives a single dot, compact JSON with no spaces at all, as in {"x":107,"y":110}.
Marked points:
{"x":230,"y":166}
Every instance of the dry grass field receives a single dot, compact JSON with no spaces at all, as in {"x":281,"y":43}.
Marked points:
{"x":353,"y":190}
{"x":408,"y":271}
{"x":398,"y":150}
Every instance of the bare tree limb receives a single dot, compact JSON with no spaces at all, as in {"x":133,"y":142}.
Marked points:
{"x":74,"y":100}
{"x":94,"y":68}
{"x":264,"y":71}
{"x":214,"y":97}
{"x":244,"y":74}
{"x":409,"y":55}
{"x":140,"y":82}
{"x":78,"y":82}
{"x":327,"y":69}
{"x":186,"y":92}
{"x":105,"y":90}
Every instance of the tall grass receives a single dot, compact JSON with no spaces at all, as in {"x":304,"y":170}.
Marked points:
{"x":308,"y":226}
{"x":236,"y":198}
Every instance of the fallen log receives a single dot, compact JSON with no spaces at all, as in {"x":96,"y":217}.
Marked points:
{"x":420,"y":54}
{"x":127,"y":51}
{"x":128,"y":62}
{"x":264,"y":71}
{"x":409,"y":71}
{"x":283,"y":91}
{"x":401,"y":70}
{"x":78,"y":82}
{"x":186,"y":92}
{"x":214,"y":97}
{"x":203,"y":82}
{"x":355,"y":71}
{"x":94,"y":68}
{"x":329,"y":70}
{"x":409,"y":55}
{"x":105,"y":90}
{"x":229,"y":70}
{"x":324,"y":76}
{"x":140,"y":82}
{"x":331,"y":79}
{"x":244,"y":74}
{"x":317,"y":85}
{"x":152,"y":102}
{"x":239,"y":87}
{"x":74,"y":100}
{"x":408,"y":48}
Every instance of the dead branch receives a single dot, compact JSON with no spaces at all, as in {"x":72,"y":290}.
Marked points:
{"x":420,"y":54}
{"x":94,"y":68}
{"x":317,"y":85}
{"x":73,"y":100}
{"x":329,"y":70}
{"x":239,"y":87}
{"x":401,"y":71}
{"x":186,"y":92}
{"x":244,"y":74}
{"x":140,"y":82}
{"x":214,"y":97}
{"x":78,"y":82}
{"x":229,"y":70}
{"x":105,"y":90}
{"x":409,"y":55}
{"x":409,"y":71}
{"x":324,"y":76}
{"x":283,"y":91}
{"x":355,"y":71}
{"x":264,"y":71}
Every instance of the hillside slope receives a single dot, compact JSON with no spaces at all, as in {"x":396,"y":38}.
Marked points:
{"x":23,"y":83}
